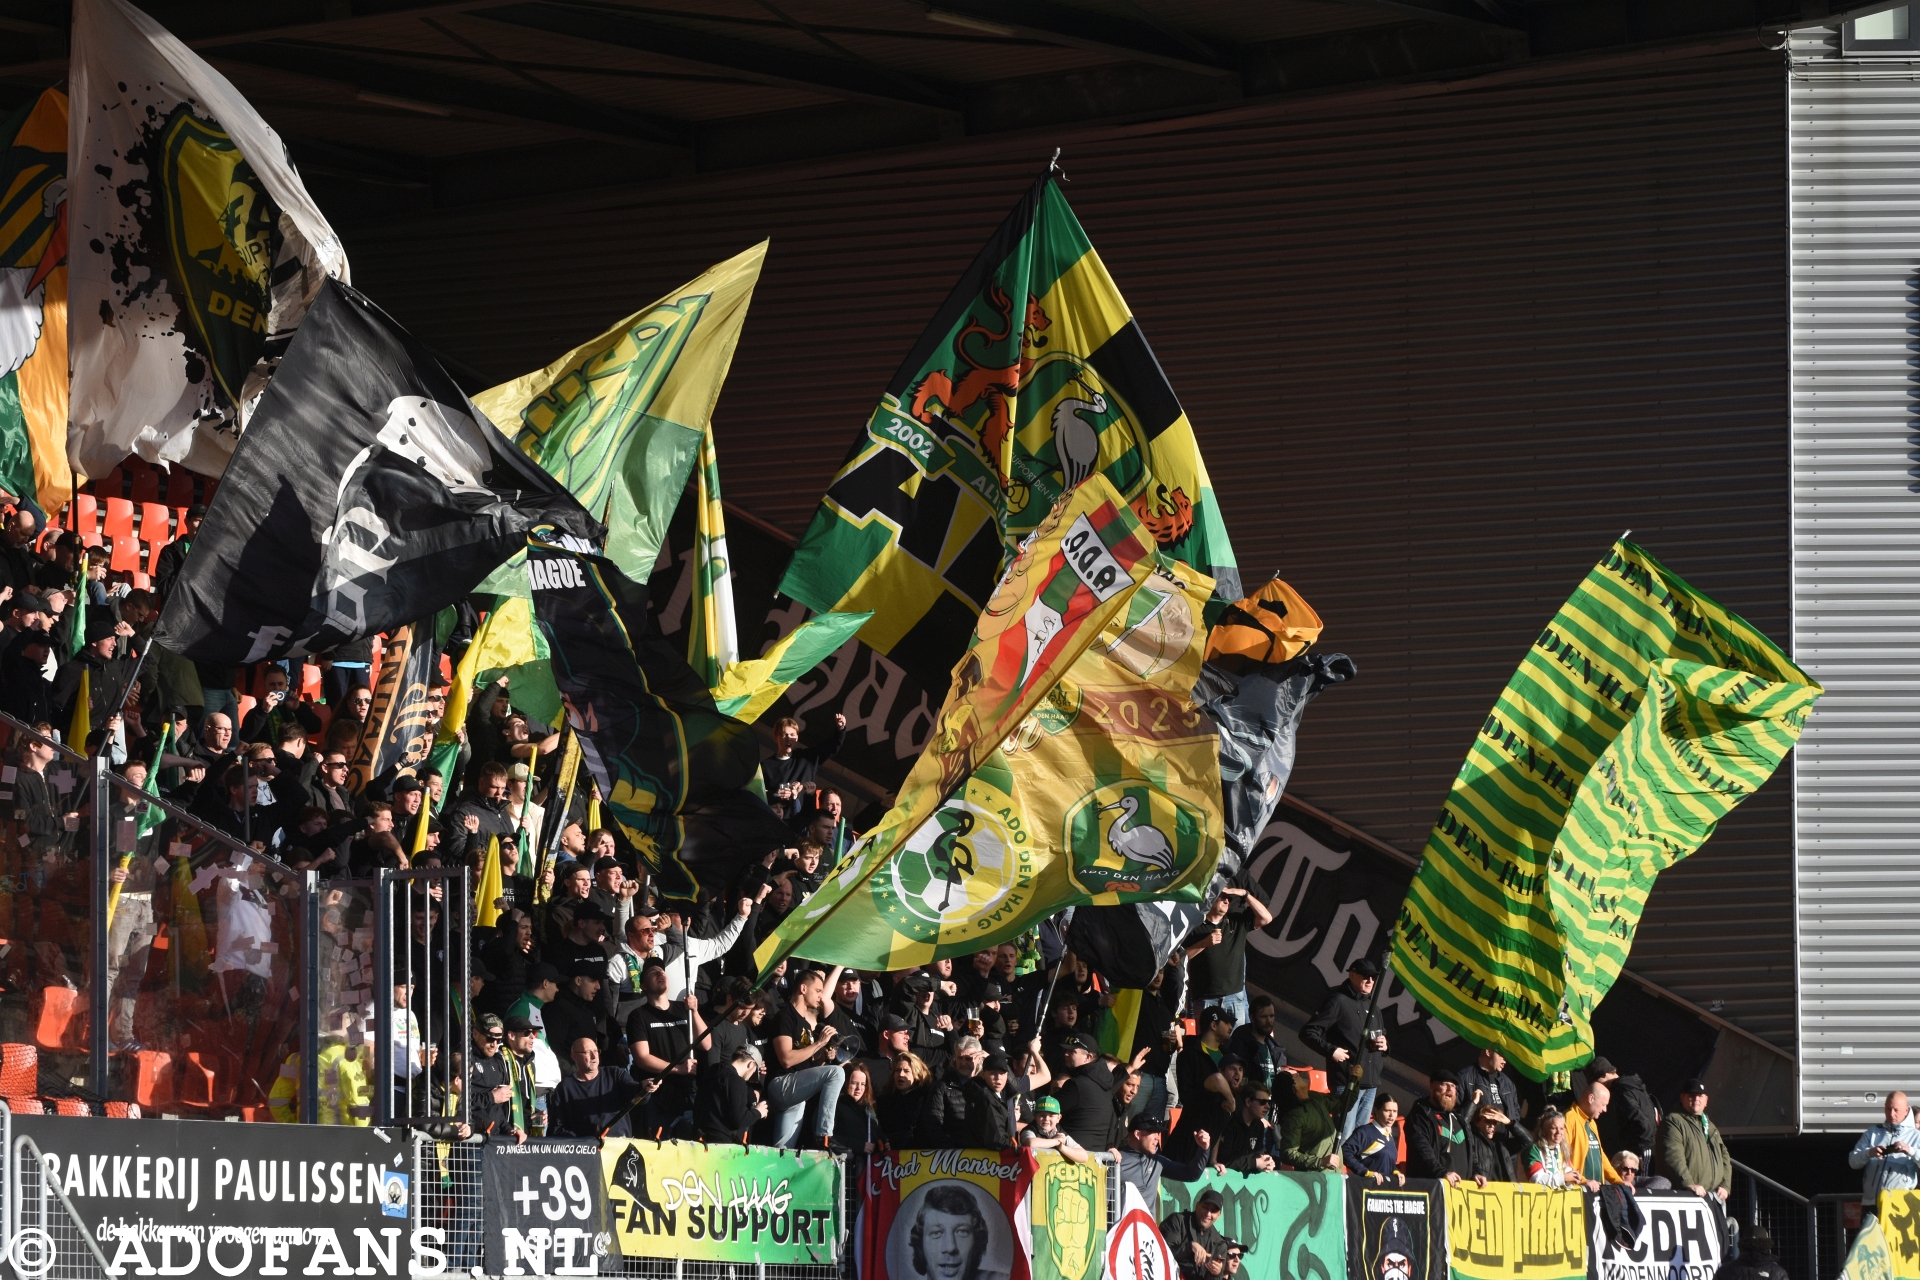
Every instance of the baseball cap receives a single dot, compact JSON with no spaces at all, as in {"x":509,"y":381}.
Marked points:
{"x":1047,"y":1106}
{"x":477,"y":969}
{"x":1144,"y":1123}
{"x":1214,"y":1013}
{"x":989,"y":993}
{"x":608,"y":863}
{"x":517,"y":1024}
{"x":1693,"y":1086}
{"x":196,"y":512}
{"x":542,"y":972}
{"x":1600,"y":1067}
{"x":1082,"y":1040}
{"x":1209,"y":1196}
{"x":997,"y":1062}
{"x":518,"y":773}
{"x":589,"y":911}
{"x":894,"y":1022}
{"x":408,"y":783}
{"x":594,"y":967}
{"x":490,"y":1022}
{"x":1364,"y":967}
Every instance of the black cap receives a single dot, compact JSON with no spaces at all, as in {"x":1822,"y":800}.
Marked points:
{"x":1600,"y":1067}
{"x":516,"y":1024}
{"x":1693,"y":1086}
{"x":653,"y":962}
{"x":990,"y":993}
{"x":1082,"y":1040}
{"x":196,"y":512}
{"x":543,"y":972}
{"x":1147,"y":1123}
{"x":589,"y":911}
{"x":476,"y":969}
{"x":1229,"y":1060}
{"x":608,"y":863}
{"x":1364,"y":967}
{"x":408,"y":783}
{"x":588,"y":967}
{"x":1210,"y":1196}
{"x":894,"y":1022}
{"x":917,"y":984}
{"x":997,"y":1062}
{"x":100,"y":623}
{"x":34,"y":635}
{"x":1444,"y":1076}
{"x":1214,"y":1013}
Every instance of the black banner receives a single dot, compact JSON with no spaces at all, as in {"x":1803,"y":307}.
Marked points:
{"x":1680,"y":1239}
{"x":546,"y":1208}
{"x":400,"y":725}
{"x":1396,"y":1233}
{"x":211,"y":1201}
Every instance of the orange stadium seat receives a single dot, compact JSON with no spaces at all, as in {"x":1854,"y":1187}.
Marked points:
{"x":146,"y":482}
{"x":83,"y":514}
{"x":156,"y":524}
{"x":126,"y":553}
{"x":61,"y":1025}
{"x":119,"y":521}
{"x":118,"y":1110}
{"x":19,"y":1070}
{"x":25,"y":1106}
{"x":152,"y":1077}
{"x":71,"y":1107}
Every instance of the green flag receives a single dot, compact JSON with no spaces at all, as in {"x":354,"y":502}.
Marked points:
{"x":749,"y":687}
{"x":620,"y":419}
{"x":151,"y":816}
{"x":1643,"y":713}
{"x":1032,"y":376}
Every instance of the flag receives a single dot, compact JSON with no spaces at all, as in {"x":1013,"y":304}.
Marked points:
{"x":489,"y":888}
{"x":1032,"y":376}
{"x":77,"y":635}
{"x":748,"y":688}
{"x":1642,"y":714}
{"x":661,"y":754}
{"x":398,"y":731}
{"x":199,"y":249}
{"x":365,"y":494}
{"x":713,"y":639}
{"x":33,"y":303}
{"x":515,"y":648}
{"x":82,"y":722}
{"x":151,"y":816}
{"x":620,"y":420}
{"x":951,"y":865}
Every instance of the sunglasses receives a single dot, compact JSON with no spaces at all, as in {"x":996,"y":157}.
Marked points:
{"x":496,"y":1039}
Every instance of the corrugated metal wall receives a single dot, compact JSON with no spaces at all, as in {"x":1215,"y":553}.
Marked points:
{"x":1854,"y":142}
{"x":1440,"y":351}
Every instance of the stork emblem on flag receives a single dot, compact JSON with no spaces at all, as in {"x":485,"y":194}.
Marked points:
{"x":1128,"y":837}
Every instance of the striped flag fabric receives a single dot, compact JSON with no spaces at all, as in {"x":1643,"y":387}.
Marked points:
{"x":1643,"y":713}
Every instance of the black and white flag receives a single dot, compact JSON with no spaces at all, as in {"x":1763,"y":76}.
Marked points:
{"x":366,"y":492}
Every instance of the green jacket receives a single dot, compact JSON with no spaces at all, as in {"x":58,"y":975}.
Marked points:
{"x":1311,"y":1131}
{"x":1692,"y":1152}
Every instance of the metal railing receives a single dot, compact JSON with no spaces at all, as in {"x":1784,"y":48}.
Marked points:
{"x":1789,"y":1217}
{"x":47,"y":1239}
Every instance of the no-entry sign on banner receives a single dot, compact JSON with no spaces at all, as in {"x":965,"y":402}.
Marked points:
{"x":1678,"y":1230}
{"x":1396,"y":1233}
{"x":722,"y":1203}
{"x":945,"y":1215}
{"x":210,"y":1201}
{"x":1516,"y":1231}
{"x":546,"y":1207}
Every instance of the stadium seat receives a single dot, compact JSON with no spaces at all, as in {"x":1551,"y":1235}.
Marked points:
{"x":71,"y":1107}
{"x":146,"y":482}
{"x":156,"y":524}
{"x":142,"y":580}
{"x":19,"y":1070}
{"x":25,"y":1106}
{"x":310,"y":682}
{"x":83,"y":513}
{"x":126,"y":553}
{"x":119,"y":521}
{"x":61,"y":1026}
{"x":152,"y":1077}
{"x":120,"y":1110}
{"x":198,"y":1084}
{"x":247,"y":702}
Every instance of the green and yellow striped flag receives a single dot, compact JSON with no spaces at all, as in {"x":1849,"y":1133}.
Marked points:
{"x":1642,"y":715}
{"x":1032,"y":376}
{"x":751,"y":686}
{"x":621,"y":419}
{"x":1107,"y":792}
{"x":713,"y":637}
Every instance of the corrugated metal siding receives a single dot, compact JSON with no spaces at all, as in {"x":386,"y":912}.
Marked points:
{"x":1439,"y":352}
{"x":1854,"y":130}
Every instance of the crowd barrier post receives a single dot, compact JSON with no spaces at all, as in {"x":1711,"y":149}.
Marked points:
{"x":382,"y":999}
{"x":99,"y":1007}
{"x":310,"y":1000}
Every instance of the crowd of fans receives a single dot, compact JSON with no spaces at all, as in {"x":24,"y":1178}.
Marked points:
{"x":601,"y":1010}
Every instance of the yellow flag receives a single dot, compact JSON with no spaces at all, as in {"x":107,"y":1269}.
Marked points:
{"x":82,"y":713}
{"x":486,"y":893}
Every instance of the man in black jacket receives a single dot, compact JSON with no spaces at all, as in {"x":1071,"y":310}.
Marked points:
{"x":1343,"y":1029}
{"x":728,"y":1104}
{"x":1632,"y":1119}
{"x":1248,"y":1142}
{"x":1485,"y":1082}
{"x":963,"y":1111}
{"x":1436,"y":1133}
{"x":1086,"y":1093}
{"x":1198,"y":1250}
{"x":490,"y":1084}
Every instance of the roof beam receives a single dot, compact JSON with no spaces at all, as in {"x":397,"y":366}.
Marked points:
{"x":1072,"y":28}
{"x":766,"y":64}
{"x":457,"y":94}
{"x":1456,"y":13}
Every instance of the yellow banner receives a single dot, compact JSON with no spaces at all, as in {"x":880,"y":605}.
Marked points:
{"x":1516,"y":1231}
{"x":1897,"y":1255}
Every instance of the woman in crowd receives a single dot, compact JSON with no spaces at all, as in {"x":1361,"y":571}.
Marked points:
{"x":855,"y":1126}
{"x":905,"y":1096}
{"x":1547,"y":1163}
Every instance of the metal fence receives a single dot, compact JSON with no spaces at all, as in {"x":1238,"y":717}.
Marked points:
{"x":45,"y":1237}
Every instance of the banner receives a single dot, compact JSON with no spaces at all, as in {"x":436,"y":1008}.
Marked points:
{"x":1679,"y":1240}
{"x":1135,"y":1248}
{"x":1292,"y":1224}
{"x":1064,"y":1230}
{"x":1078,"y":572}
{"x":1032,"y":377}
{"x":1397,"y":1233}
{"x":1643,"y":713}
{"x":33,"y":304}
{"x":1898,"y":1217}
{"x":208,"y":1201}
{"x":200,"y":250}
{"x":722,"y":1203}
{"x":1513,"y":1230}
{"x":545,"y":1207}
{"x":1870,"y":1258}
{"x":945,"y":1215}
